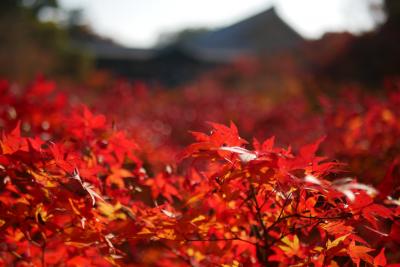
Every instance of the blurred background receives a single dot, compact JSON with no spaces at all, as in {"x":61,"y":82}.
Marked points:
{"x":289,"y":68}
{"x":297,"y":70}
{"x":172,"y":43}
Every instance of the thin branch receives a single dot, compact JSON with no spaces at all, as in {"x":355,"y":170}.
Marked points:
{"x":258,"y":213}
{"x":266,"y":198}
{"x":221,"y":239}
{"x":43,"y":254}
{"x":281,"y":212}
{"x":296,"y":215}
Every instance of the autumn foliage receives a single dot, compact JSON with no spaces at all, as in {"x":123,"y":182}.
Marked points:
{"x":77,"y":190}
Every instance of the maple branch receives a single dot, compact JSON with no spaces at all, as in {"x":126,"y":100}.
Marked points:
{"x":305,"y":217}
{"x":283,"y":234}
{"x":291,"y":231}
{"x":245,"y":200}
{"x":296,"y":215}
{"x":236,"y":238}
{"x":43,"y":254}
{"x":266,"y":198}
{"x":214,"y":239}
{"x":258,"y":213}
{"x":280,"y":214}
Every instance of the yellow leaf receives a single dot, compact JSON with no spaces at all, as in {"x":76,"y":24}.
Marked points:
{"x":234,"y":229}
{"x":77,"y":244}
{"x":113,"y":212}
{"x":195,"y":254}
{"x":198,"y":219}
{"x":167,"y":234}
{"x":318,"y":248}
{"x":41,"y":214}
{"x":190,"y":252}
{"x":292,"y":246}
{"x":336,"y":242}
{"x":235,"y":263}
{"x":43,"y":179}
{"x":194,"y":199}
{"x":145,"y":231}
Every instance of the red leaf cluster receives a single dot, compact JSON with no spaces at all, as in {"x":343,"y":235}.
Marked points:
{"x":77,"y":191}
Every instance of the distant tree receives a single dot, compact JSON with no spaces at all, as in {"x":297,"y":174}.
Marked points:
{"x":29,"y":46}
{"x":392,"y":8}
{"x":34,"y":6}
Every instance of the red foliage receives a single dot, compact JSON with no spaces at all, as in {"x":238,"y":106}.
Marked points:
{"x":77,"y":191}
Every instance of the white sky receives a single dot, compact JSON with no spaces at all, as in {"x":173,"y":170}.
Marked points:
{"x":138,"y":23}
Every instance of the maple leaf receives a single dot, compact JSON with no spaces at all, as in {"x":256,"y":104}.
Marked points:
{"x":358,"y":253}
{"x":307,"y":152}
{"x":337,"y":228}
{"x":389,"y":182}
{"x":162,"y":185}
{"x":291,"y":246}
{"x":373,"y":211}
{"x":243,"y":154}
{"x":266,"y":146}
{"x":93,"y":121}
{"x":13,"y":141}
{"x":86,"y":186}
{"x":220,"y":136}
{"x":380,"y":259}
{"x":229,"y":136}
{"x":348,"y":185}
{"x":312,"y":179}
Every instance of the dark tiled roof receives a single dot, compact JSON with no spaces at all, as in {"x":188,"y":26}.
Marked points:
{"x":264,"y":33}
{"x":105,"y":49}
